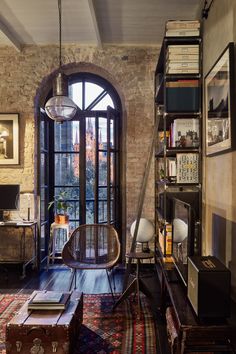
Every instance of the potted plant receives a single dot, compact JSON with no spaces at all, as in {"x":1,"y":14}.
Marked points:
{"x":61,"y":207}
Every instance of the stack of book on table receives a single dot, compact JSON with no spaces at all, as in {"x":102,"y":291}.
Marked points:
{"x":182,"y":28}
{"x":48,"y":300}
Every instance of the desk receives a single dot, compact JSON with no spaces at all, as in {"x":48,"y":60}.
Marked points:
{"x":186,"y":331}
{"x":17,"y":246}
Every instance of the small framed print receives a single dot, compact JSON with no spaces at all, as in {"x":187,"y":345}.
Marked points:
{"x":219,"y":107}
{"x":9,"y":138}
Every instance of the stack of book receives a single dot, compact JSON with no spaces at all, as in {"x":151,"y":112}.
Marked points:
{"x":48,"y":300}
{"x":182,"y":28}
{"x":182,"y":59}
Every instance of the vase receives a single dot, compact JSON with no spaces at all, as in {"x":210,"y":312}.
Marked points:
{"x":61,"y":219}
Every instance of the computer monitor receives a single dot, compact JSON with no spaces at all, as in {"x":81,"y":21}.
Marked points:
{"x":9,"y":198}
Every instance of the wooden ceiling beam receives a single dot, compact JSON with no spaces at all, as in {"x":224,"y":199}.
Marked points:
{"x":10,"y":36}
{"x":95,"y":23}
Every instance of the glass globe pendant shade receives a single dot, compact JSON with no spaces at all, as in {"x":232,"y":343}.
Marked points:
{"x":60,"y":107}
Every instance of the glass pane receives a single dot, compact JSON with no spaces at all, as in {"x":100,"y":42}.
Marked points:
{"x":112,"y":193}
{"x":92,"y":91}
{"x":102,"y":133}
{"x":72,"y":193}
{"x":102,"y":105}
{"x":42,"y":210}
{"x":76,"y":94}
{"x":102,"y":173}
{"x":102,"y":193}
{"x":66,"y":169}
{"x":112,"y":211}
{"x":67,"y":136}
{"x":42,"y":135}
{"x":90,"y":212}
{"x":42,"y":169}
{"x":112,"y":168}
{"x":42,"y":237}
{"x":102,"y":211}
{"x":112,"y":134}
{"x":74,"y":210}
{"x":90,"y":157}
{"x":73,"y":225}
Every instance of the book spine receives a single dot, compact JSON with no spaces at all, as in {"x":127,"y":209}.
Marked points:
{"x":183,"y":50}
{"x":182,"y":65}
{"x":182,"y":33}
{"x":182,"y":71}
{"x":182,"y":57}
{"x":182,"y":84}
{"x":182,"y":24}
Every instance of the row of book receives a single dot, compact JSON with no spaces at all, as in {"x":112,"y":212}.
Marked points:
{"x":183,"y":133}
{"x":180,"y":169}
{"x":182,"y":58}
{"x":182,"y":28}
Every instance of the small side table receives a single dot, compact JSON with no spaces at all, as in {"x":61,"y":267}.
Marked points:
{"x":59,"y":235}
{"x":137,"y":284}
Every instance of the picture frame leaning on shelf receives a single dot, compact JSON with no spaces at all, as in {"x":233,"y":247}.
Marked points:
{"x":219,"y":106}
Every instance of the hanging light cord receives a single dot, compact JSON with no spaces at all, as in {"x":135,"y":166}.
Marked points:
{"x":206,"y":9}
{"x":59,"y":11}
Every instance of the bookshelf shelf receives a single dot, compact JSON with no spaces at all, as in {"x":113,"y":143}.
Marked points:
{"x":178,"y":85}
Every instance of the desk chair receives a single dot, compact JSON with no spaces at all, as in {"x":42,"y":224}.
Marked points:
{"x":94,"y":246}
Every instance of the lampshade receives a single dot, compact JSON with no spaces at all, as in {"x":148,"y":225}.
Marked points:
{"x":60,"y":107}
{"x":145,"y":230}
{"x":180,"y":230}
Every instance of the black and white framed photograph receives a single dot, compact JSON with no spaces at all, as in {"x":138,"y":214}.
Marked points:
{"x":9,"y":138}
{"x":219,"y":87}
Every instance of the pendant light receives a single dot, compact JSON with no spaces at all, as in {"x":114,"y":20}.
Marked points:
{"x":60,"y":107}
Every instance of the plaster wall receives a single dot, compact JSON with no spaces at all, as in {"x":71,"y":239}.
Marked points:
{"x":132,"y":73}
{"x":219,"y":186}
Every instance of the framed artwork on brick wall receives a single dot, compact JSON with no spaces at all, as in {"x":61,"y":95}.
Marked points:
{"x":219,"y":104}
{"x":9,"y":138}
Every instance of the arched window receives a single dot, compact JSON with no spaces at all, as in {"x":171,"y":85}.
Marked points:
{"x":81,"y":157}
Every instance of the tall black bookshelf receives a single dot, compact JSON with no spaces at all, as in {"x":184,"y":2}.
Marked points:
{"x":178,"y":106}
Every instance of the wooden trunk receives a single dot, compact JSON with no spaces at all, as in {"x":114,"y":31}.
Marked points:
{"x":45,"y":331}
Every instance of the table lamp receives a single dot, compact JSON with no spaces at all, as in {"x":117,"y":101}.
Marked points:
{"x":145,"y":232}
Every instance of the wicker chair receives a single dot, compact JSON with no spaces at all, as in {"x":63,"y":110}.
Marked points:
{"x":94,"y":246}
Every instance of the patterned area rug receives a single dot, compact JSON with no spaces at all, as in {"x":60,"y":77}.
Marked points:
{"x":119,"y":331}
{"x":9,"y":305}
{"x":103,"y":330}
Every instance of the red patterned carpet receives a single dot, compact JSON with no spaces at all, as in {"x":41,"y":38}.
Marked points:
{"x":103,"y":331}
{"x":9,"y":305}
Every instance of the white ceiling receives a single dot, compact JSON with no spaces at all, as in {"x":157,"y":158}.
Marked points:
{"x":90,"y":22}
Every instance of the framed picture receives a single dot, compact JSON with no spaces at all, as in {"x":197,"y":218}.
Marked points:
{"x":219,"y":107}
{"x":9,"y":138}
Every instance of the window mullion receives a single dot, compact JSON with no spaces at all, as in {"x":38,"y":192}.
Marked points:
{"x":96,"y":203}
{"x":108,"y":172}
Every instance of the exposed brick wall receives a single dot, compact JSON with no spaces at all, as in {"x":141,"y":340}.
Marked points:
{"x":131,"y":70}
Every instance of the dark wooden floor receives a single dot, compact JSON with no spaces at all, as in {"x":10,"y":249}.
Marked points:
{"x":58,"y":277}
